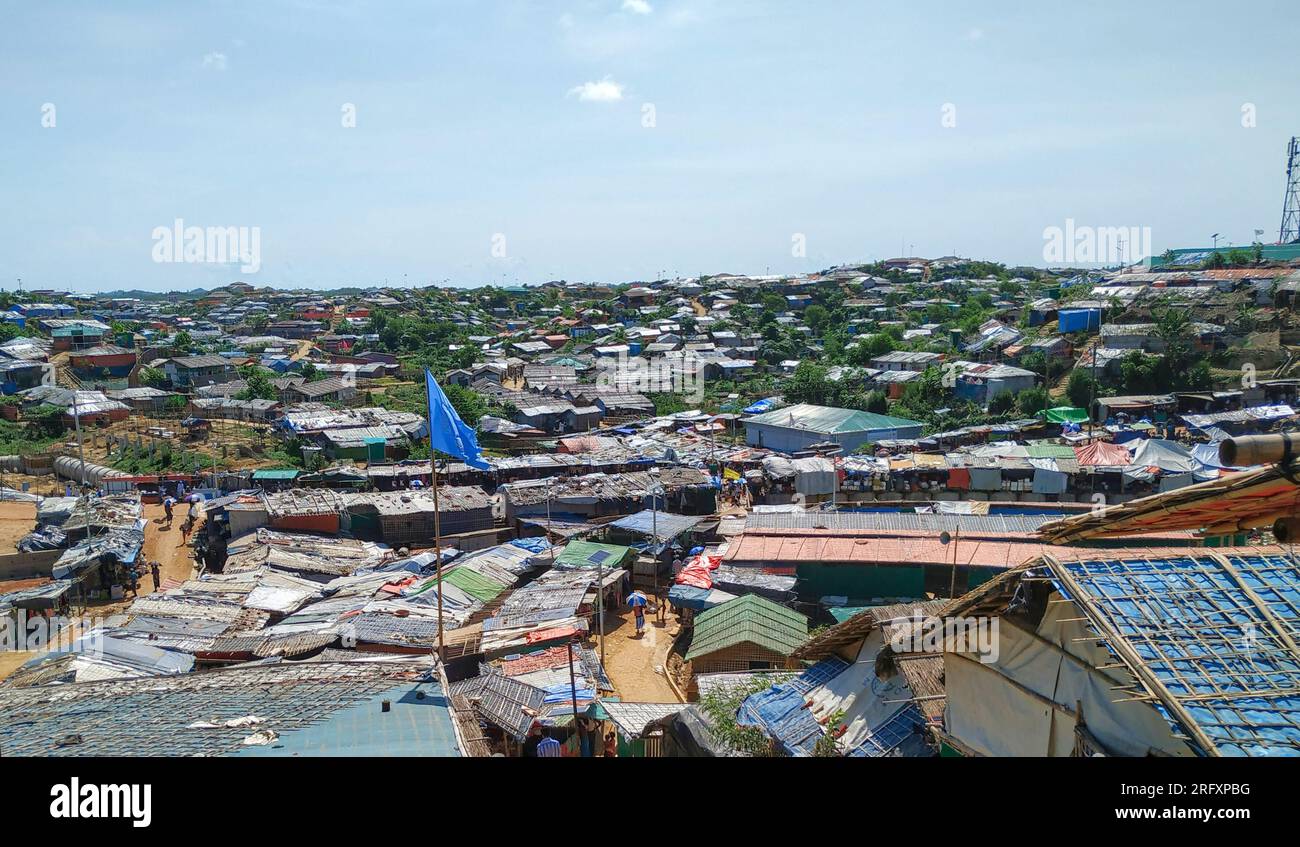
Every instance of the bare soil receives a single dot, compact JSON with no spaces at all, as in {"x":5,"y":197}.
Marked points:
{"x":635,"y":665}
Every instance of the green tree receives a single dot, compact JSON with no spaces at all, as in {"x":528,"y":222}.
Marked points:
{"x":47,"y":419}
{"x":817,"y":316}
{"x":808,"y":385}
{"x":877,"y":402}
{"x":311,"y":373}
{"x":258,"y":384}
{"x":1031,"y":401}
{"x":469,"y":405}
{"x":667,"y":403}
{"x":720,"y":706}
{"x":153,"y":377}
{"x":1079,"y":388}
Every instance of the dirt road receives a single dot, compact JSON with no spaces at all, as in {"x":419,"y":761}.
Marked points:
{"x":631,"y":662}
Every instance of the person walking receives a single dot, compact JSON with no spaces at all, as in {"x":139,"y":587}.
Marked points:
{"x":637,"y":600}
{"x":611,"y":746}
{"x":156,"y":572}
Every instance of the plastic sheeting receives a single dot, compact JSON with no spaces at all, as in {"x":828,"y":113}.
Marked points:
{"x":699,"y":571}
{"x":1049,"y":481}
{"x":996,"y":709}
{"x":815,"y":475}
{"x":1168,"y":456}
{"x":699,"y":599}
{"x":985,"y":479}
{"x":1103,"y":454}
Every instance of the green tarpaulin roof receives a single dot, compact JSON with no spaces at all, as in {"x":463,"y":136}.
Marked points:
{"x":276,"y":473}
{"x":843,"y":613}
{"x":1065,"y":414}
{"x":474,"y":584}
{"x":589,"y":554}
{"x":828,"y":419}
{"x":1049,"y":451}
{"x":749,"y":619}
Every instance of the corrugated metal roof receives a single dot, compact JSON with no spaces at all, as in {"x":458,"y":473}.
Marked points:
{"x":788,"y":549}
{"x":749,"y":619}
{"x":829,"y":420}
{"x":152,"y":716}
{"x":898,"y":521}
{"x":633,"y":718}
{"x":664,"y":526}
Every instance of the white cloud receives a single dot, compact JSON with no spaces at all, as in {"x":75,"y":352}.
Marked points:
{"x":605,"y":91}
{"x":638,"y":7}
{"x":216,"y":61}
{"x":975,"y":34}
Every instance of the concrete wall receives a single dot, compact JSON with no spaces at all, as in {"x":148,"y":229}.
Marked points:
{"x":27,"y":565}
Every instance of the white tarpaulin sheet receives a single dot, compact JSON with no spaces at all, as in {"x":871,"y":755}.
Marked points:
{"x":815,"y":476}
{"x":864,"y":698}
{"x":1023,"y":704}
{"x":1169,"y":456}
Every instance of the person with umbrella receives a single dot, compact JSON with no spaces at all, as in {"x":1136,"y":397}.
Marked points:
{"x":637,"y":600}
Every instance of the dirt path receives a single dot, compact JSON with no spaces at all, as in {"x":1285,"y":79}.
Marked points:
{"x":631,"y":662}
{"x":16,"y":520}
{"x":166,"y":546}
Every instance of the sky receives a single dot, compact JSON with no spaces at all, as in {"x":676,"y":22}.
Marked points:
{"x":474,"y":142}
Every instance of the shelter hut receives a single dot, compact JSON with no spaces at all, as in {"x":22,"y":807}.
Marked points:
{"x":1129,"y":653}
{"x":871,"y":693}
{"x":745,"y":634}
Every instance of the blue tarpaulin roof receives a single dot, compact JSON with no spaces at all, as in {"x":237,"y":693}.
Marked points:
{"x":781,"y":712}
{"x":1217,"y":633}
{"x":664,"y":526}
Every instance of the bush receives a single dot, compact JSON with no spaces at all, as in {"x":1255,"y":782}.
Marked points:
{"x":1002,"y":404}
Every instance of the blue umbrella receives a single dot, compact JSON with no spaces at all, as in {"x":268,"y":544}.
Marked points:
{"x":636,"y":598}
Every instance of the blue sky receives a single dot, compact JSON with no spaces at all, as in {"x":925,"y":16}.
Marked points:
{"x":526,"y":119}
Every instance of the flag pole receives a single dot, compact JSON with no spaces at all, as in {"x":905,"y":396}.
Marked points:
{"x":437,"y":555}
{"x":437,"y":523}
{"x":449,"y":435}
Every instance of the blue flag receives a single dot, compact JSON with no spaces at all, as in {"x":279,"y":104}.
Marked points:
{"x":447,"y":432}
